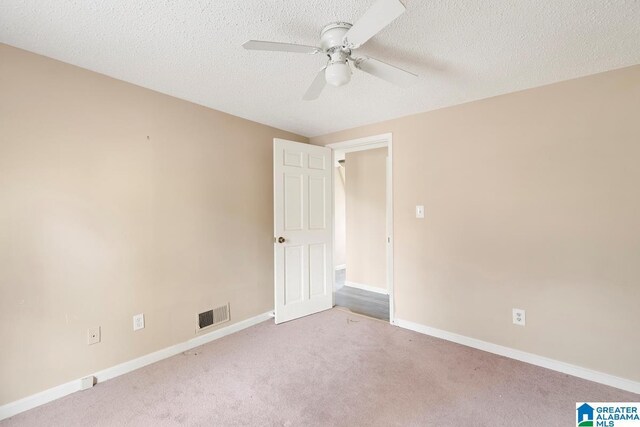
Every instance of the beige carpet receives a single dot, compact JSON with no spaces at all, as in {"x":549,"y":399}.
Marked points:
{"x":332,"y":369}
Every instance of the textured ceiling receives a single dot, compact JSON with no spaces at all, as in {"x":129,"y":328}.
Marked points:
{"x":462,"y":50}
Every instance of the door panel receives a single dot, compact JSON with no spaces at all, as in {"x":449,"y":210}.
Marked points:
{"x":316,"y":162}
{"x":293,"y":158}
{"x":294,"y":274}
{"x":293,"y":202}
{"x":317,"y":203}
{"x":302,"y":219}
{"x":317,"y":269}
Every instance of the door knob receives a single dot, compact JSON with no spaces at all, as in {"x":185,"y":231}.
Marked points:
{"x":280,"y":239}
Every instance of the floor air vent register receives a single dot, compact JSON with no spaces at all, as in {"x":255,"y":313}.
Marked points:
{"x":213,"y":317}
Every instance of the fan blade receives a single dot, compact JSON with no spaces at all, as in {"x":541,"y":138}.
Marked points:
{"x":316,"y":87}
{"x":280,"y":47}
{"x":375,"y":19}
{"x":385,"y":71}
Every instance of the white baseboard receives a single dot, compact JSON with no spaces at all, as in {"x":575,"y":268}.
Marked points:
{"x":29,"y":402}
{"x":366,"y":287}
{"x":523,"y":356}
{"x":341,"y":266}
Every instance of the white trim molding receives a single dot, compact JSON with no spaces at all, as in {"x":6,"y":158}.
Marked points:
{"x":366,"y":287}
{"x":523,"y":356}
{"x":46,"y":396}
{"x":361,"y":144}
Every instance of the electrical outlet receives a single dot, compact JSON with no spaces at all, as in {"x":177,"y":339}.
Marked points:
{"x":419,"y":211}
{"x":138,"y":321}
{"x":519,"y":317}
{"x":93,"y":335}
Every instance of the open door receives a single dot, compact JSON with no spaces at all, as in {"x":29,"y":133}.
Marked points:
{"x":303,"y":229}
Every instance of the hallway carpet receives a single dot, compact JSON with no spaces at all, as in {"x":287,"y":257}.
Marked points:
{"x":331,"y":369}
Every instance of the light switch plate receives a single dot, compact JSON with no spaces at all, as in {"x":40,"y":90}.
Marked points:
{"x":419,"y":211}
{"x":93,"y":335}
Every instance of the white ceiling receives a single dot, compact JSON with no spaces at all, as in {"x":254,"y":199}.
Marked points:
{"x":462,"y":50}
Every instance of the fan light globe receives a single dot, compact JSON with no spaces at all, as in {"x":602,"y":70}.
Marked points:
{"x":337,"y":73}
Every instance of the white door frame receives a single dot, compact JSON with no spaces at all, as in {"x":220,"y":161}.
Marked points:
{"x":361,"y":144}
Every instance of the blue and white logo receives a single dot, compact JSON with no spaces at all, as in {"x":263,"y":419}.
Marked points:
{"x":608,"y":414}
{"x":585,"y":415}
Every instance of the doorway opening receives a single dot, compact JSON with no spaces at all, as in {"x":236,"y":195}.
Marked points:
{"x":363,"y":226}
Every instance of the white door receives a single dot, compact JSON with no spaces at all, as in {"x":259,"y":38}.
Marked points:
{"x":303,"y":229}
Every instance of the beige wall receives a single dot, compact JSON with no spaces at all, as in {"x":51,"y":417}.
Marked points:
{"x":366,"y":217}
{"x":340,"y":217}
{"x":117,"y":200}
{"x":532,"y":201}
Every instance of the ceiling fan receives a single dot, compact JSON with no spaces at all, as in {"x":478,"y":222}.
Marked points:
{"x":338,"y":40}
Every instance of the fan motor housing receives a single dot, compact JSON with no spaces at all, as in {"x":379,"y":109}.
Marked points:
{"x":332,"y":35}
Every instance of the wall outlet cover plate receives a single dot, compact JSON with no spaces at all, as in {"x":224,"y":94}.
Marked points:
{"x":138,"y":321}
{"x":519,"y":317}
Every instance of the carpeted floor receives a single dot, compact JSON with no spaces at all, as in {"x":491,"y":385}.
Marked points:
{"x":333,"y":369}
